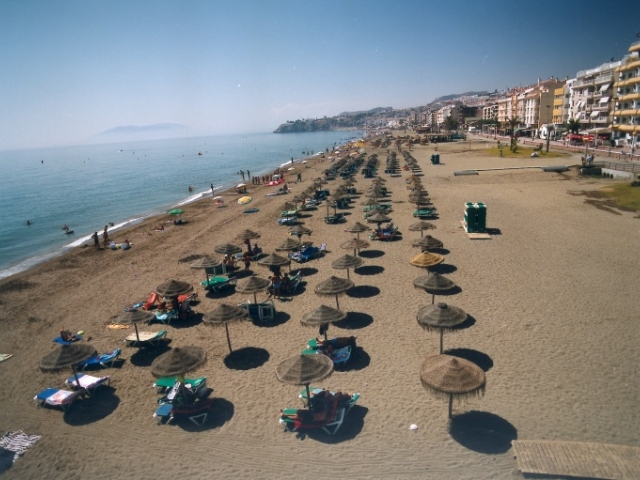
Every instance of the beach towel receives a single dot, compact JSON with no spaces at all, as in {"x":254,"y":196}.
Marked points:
{"x":5,"y":356}
{"x":16,"y":444}
{"x":115,"y":326}
{"x":61,"y":341}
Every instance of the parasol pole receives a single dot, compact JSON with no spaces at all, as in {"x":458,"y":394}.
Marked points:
{"x":421,"y":233}
{"x":135,"y":325}
{"x":348,"y":273}
{"x":255,"y":298}
{"x":441,"y":335}
{"x":75,"y":374}
{"x":308,"y":394}
{"x":226,"y":327}
{"x":433,"y":299}
{"x":450,"y":405}
{"x":337,"y":304}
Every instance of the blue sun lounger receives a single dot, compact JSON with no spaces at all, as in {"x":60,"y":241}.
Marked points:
{"x":104,"y":360}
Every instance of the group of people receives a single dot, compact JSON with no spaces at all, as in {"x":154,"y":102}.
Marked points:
{"x":280,"y":285}
{"x":322,"y":407}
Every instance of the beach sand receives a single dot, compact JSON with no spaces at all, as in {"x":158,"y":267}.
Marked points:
{"x":553,"y":294}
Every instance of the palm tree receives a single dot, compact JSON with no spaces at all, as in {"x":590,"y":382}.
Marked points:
{"x":513,"y":123}
{"x":574,"y":125}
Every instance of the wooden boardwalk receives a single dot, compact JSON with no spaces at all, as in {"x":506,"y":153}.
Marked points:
{"x":577,"y":459}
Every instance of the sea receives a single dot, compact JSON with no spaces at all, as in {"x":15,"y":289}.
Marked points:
{"x":89,"y":186}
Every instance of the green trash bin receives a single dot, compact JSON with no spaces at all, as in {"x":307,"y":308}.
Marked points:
{"x":475,"y":217}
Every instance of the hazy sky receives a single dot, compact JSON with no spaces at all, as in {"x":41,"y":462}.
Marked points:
{"x":71,"y":69}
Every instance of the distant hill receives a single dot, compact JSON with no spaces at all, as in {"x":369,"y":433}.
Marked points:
{"x":143,"y":132}
{"x":453,"y":96}
{"x":366,"y":112}
{"x":343,"y":121}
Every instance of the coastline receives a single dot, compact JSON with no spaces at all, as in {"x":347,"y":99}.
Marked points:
{"x":555,"y":330}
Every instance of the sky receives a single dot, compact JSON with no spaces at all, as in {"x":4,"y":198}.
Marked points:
{"x":72,"y":69}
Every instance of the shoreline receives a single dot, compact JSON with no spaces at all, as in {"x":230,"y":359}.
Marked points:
{"x":20,"y":266}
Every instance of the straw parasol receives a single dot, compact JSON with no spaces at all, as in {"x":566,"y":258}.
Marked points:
{"x":334,"y":286}
{"x":66,"y":356}
{"x":299,"y":230}
{"x":322,"y":315}
{"x":205,"y":262}
{"x":225,"y":313}
{"x":134,"y":317}
{"x":426,"y":260}
{"x":421,"y":227}
{"x":178,"y":361}
{"x":378,"y":218}
{"x":346,"y":262}
{"x":434,"y":283}
{"x":447,"y":375}
{"x":227,"y":249}
{"x":440,"y":317}
{"x":427,"y":242}
{"x":173,"y":288}
{"x":274,"y":261}
{"x":355,"y":244}
{"x":248,"y":235}
{"x":358,"y":228}
{"x":253,"y":284}
{"x":304,"y":369}
{"x":288,"y":245}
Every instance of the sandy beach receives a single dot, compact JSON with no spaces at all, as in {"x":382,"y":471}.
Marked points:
{"x":553,"y":294}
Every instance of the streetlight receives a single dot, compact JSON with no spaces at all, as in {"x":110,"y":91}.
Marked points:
{"x":548,"y":129}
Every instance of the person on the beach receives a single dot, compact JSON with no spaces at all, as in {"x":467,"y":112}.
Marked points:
{"x":28,"y":223}
{"x":276,"y":283}
{"x":299,"y":179}
{"x":256,"y":250}
{"x":105,"y":236}
{"x":247,"y":260}
{"x":285,"y":286}
{"x":96,"y":240}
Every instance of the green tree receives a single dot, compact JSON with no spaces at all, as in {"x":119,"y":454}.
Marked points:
{"x":513,"y":123}
{"x":574,"y":125}
{"x":450,"y":124}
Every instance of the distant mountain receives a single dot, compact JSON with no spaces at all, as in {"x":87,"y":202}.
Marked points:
{"x":144,"y":132}
{"x":453,"y":96}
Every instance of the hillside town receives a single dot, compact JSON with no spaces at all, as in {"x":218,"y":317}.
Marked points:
{"x":599,"y":106}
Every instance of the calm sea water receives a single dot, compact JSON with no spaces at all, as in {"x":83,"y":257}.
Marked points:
{"x":86,"y":187}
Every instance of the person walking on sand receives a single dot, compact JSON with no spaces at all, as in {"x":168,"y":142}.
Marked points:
{"x":105,"y":237}
{"x":299,"y":179}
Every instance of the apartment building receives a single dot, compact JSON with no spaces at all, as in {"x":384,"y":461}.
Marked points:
{"x":626,"y":113}
{"x":591,"y":93}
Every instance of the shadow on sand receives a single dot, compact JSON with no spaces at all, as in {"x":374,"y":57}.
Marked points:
{"x":92,"y":409}
{"x":371,"y":253}
{"x":482,"y":432}
{"x":369,"y":270}
{"x":363,"y":291}
{"x":351,"y":427}
{"x":145,"y":356}
{"x":221,"y":412}
{"x":246,"y":358}
{"x":482,"y":360}
{"x":355,"y":321}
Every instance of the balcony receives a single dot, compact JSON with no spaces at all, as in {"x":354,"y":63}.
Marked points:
{"x":607,"y":77}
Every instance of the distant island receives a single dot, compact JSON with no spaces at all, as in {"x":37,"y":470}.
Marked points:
{"x":143,"y":132}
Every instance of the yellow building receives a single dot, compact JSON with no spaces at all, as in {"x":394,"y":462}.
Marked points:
{"x":626,"y":115}
{"x":558,"y":102}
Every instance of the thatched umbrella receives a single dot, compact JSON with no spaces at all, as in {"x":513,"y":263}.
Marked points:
{"x":434,"y":283}
{"x":322,"y":315}
{"x":346,"y":262}
{"x":135,"y":317}
{"x":227,"y":249}
{"x":178,"y":361}
{"x":288,"y":206}
{"x":427,"y":242}
{"x":421,"y":227}
{"x":65,"y":356}
{"x":449,"y":376}
{"x":225,"y":313}
{"x":299,"y":231}
{"x":253,"y":284}
{"x":419,"y":197}
{"x":248,"y":235}
{"x":288,"y":245}
{"x":358,"y":228}
{"x":206,"y":262}
{"x":173,"y":288}
{"x":370,"y":202}
{"x":440,"y":317}
{"x":274,"y":261}
{"x":378,"y":218}
{"x":426,"y":260}
{"x":304,"y":369}
{"x":334,"y":286}
{"x":355,"y":244}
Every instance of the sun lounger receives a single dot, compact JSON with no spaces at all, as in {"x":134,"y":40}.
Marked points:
{"x":297,"y":419}
{"x":338,"y":356}
{"x":218,"y":283}
{"x":264,"y":311}
{"x":315,"y":390}
{"x":87,"y":382}
{"x":196,"y":385}
{"x":104,"y":360}
{"x":151,"y":338}
{"x":165,"y":317}
{"x":337,"y":218}
{"x":55,"y":397}
{"x":289,"y":213}
{"x":196,"y":413}
{"x":306,"y":254}
{"x":287,"y":220}
{"x":424,"y":212}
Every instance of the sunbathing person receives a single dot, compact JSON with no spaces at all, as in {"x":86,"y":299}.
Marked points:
{"x":67,"y":336}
